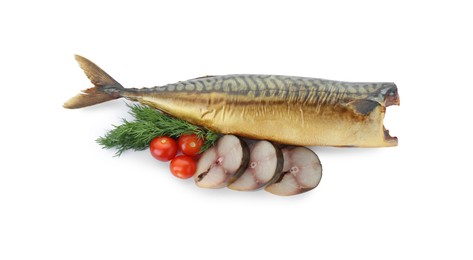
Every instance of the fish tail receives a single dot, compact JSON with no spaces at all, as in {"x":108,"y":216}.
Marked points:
{"x":105,"y":87}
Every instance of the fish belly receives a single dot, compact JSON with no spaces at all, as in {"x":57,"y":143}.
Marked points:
{"x":281,"y":122}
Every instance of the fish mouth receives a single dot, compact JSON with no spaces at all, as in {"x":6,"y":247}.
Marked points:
{"x":391,"y":140}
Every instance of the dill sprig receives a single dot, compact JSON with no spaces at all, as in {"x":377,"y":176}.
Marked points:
{"x":149,"y":123}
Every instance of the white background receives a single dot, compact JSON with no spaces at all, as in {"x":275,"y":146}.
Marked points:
{"x":63,"y":197}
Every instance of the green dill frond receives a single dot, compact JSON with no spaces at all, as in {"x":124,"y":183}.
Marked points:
{"x":149,"y":123}
{"x":209,"y":138}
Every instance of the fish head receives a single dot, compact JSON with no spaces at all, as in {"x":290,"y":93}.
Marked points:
{"x":390,"y":94}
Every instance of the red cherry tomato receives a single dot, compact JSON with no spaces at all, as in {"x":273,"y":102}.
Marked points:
{"x":190,"y":144}
{"x":183,"y":167}
{"x":163,"y":148}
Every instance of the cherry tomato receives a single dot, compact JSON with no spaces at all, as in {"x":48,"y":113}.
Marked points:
{"x":190,"y":144}
{"x":163,"y":148}
{"x":183,"y":167}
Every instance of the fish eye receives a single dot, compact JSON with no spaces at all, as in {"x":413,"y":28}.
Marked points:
{"x":391,"y":92}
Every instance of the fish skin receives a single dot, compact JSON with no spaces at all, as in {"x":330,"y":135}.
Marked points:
{"x":283,"y":109}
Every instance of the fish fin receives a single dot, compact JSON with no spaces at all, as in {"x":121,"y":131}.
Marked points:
{"x":105,"y":87}
{"x":363,"y":107}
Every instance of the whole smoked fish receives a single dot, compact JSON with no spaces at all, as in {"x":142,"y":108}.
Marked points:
{"x":283,"y":109}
